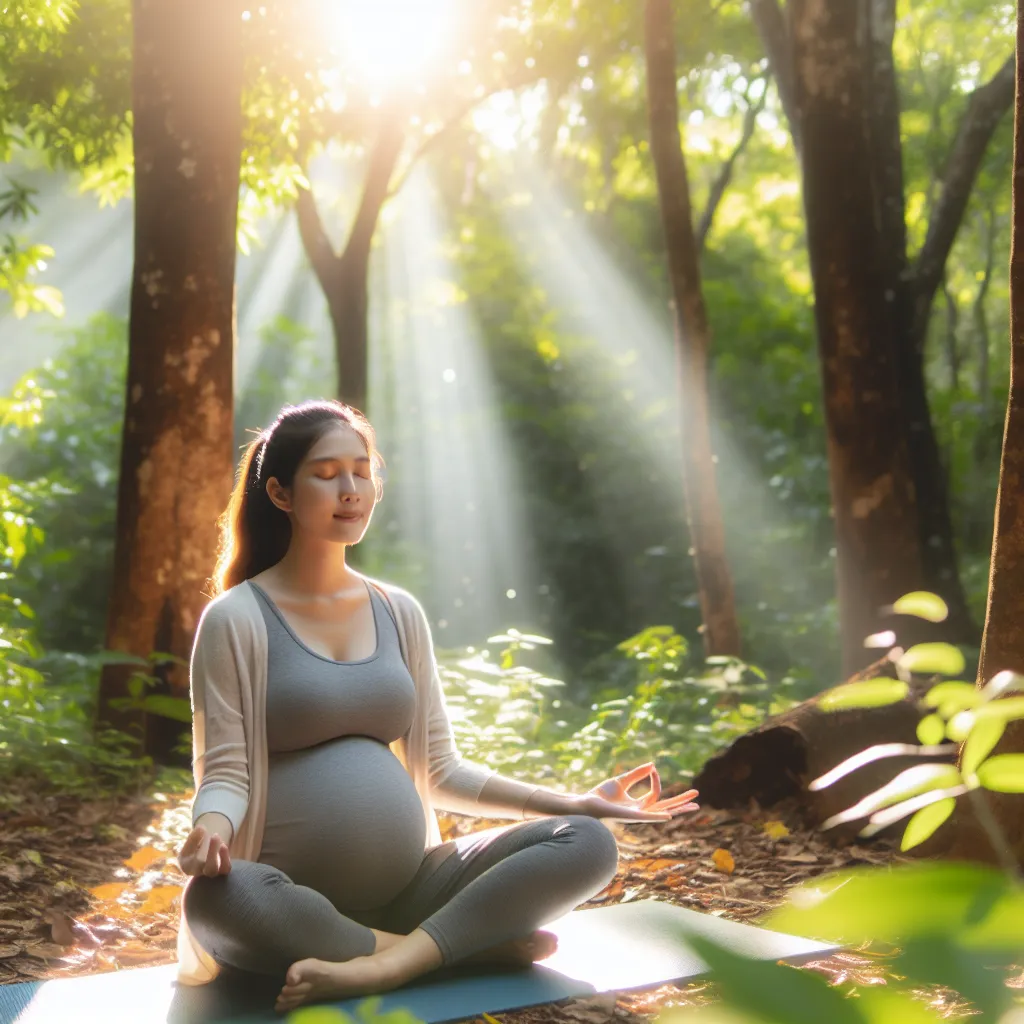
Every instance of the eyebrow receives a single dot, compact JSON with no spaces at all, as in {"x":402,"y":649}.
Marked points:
{"x":334,"y":458}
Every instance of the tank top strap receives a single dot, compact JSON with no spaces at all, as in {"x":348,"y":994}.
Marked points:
{"x":383,"y":614}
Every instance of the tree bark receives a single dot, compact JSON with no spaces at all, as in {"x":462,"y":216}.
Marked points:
{"x":985,"y":109}
{"x":721,"y":627}
{"x":176,"y":457}
{"x":878,"y":551}
{"x":344,"y":277}
{"x":912,"y":287}
{"x":1002,"y":645}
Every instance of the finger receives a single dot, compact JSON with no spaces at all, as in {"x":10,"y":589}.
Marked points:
{"x":634,"y":775}
{"x":681,"y":798}
{"x":655,"y":791}
{"x":210,"y":861}
{"x":191,"y":844}
{"x":672,"y":804}
{"x":225,"y":860}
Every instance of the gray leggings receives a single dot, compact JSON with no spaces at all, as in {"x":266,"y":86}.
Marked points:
{"x":469,"y":894}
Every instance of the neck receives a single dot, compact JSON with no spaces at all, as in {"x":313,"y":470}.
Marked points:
{"x":315,"y":568}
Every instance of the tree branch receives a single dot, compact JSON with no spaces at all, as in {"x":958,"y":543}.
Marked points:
{"x":721,"y":182}
{"x":383,"y":158}
{"x":985,"y":109}
{"x":771,"y":27}
{"x":319,"y":251}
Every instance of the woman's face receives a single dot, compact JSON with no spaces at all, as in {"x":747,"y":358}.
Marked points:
{"x":333,"y":494}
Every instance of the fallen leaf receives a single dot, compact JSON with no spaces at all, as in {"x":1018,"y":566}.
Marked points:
{"x":66,"y":931}
{"x":12,"y":872}
{"x":160,"y":898}
{"x":722,"y":859}
{"x":110,"y":891}
{"x":33,"y":857}
{"x":652,"y":865}
{"x":775,"y":830}
{"x":12,"y":949}
{"x":800,"y":858}
{"x":144,"y":857}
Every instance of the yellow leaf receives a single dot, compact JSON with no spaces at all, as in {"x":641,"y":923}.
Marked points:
{"x":775,"y":829}
{"x":160,"y":898}
{"x":722,"y":859}
{"x":490,"y":1019}
{"x":110,"y":891}
{"x":144,"y":857}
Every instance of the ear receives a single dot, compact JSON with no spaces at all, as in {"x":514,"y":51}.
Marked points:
{"x":279,"y":495}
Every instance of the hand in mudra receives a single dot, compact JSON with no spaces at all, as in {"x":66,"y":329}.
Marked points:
{"x":611,"y":799}
{"x":204,"y":853}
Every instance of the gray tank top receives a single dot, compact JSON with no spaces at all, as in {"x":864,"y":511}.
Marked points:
{"x":343,"y":815}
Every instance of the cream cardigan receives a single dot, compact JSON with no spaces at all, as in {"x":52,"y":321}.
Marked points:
{"x":229,"y":736}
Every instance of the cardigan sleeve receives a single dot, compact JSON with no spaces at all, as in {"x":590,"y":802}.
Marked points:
{"x":219,"y":753}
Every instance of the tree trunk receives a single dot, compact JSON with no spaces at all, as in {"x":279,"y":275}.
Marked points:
{"x":345,"y":278}
{"x":910,"y":289}
{"x":1002,"y":645}
{"x":878,"y":552}
{"x":176,"y":457}
{"x":721,"y":628}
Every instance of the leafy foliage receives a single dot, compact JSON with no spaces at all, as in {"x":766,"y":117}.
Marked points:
{"x":659,"y":708}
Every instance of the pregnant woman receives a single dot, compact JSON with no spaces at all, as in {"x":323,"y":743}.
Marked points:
{"x":322,"y":745}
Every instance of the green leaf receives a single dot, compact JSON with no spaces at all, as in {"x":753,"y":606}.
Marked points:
{"x":910,"y":899}
{"x":939,"y":960}
{"x":952,"y":696}
{"x":774,"y":993}
{"x":886,"y":1006}
{"x":177,"y":708}
{"x":931,"y":730}
{"x":871,"y":693}
{"x":925,"y":822}
{"x":912,"y":781}
{"x":922,"y":604}
{"x":319,"y":1015}
{"x":981,"y":741}
{"x":933,"y":659}
{"x":1003,"y":773}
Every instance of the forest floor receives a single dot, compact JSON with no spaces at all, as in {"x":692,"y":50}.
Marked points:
{"x":92,"y":886}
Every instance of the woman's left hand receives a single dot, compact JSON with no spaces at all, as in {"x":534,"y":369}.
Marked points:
{"x":611,"y":799}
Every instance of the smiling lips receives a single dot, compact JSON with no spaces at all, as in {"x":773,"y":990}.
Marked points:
{"x":348,"y":517}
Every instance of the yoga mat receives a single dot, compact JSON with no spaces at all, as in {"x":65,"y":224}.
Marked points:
{"x":610,"y":949}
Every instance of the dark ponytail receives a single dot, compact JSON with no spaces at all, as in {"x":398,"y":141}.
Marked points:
{"x":255,"y":533}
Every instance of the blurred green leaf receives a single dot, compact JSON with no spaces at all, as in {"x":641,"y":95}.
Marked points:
{"x":925,"y":822}
{"x":772,"y":992}
{"x":933,"y":659}
{"x":922,"y":604}
{"x":1003,"y":773}
{"x":871,"y":693}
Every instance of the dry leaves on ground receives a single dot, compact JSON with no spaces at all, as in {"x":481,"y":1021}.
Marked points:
{"x":87,"y":887}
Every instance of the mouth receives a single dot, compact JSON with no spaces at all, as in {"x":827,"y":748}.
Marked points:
{"x":348,"y":517}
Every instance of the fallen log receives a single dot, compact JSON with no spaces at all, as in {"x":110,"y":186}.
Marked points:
{"x":781,"y":757}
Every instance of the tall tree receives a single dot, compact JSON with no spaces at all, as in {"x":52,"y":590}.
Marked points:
{"x":908,"y":285}
{"x":874,"y":506}
{"x":1002,"y":646}
{"x":176,"y":456}
{"x":703,"y":511}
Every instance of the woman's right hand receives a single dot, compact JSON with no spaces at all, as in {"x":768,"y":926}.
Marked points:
{"x":204,"y":853}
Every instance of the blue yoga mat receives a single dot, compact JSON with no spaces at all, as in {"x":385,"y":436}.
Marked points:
{"x":610,"y":949}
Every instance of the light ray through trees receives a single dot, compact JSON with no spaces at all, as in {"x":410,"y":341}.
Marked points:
{"x":456,"y":494}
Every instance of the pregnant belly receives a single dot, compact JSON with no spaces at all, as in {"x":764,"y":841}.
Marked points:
{"x":345,"y":819}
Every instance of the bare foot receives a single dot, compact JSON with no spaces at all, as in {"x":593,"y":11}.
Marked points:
{"x":538,"y":945}
{"x":311,"y":981}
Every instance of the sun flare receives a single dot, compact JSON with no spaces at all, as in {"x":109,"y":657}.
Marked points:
{"x":391,"y":41}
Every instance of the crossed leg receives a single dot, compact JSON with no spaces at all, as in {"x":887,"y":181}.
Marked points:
{"x":472,"y":894}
